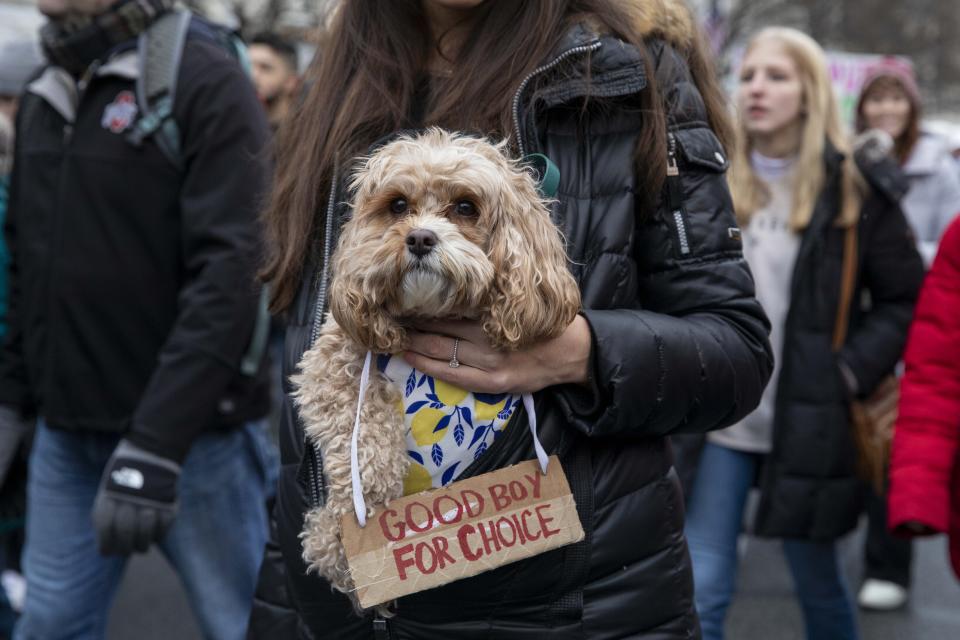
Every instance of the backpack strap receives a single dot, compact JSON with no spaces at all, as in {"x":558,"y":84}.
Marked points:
{"x":161,"y":52}
{"x":252,"y":358}
{"x":238,"y":49}
{"x":160,"y":48}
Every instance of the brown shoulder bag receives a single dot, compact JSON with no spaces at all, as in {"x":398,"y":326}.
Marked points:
{"x":871,"y":418}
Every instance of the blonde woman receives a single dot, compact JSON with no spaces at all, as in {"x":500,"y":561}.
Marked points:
{"x":796,"y":189}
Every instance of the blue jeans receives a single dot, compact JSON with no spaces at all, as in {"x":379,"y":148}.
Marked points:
{"x":714,"y":515}
{"x":215,"y":544}
{"x":7,"y":615}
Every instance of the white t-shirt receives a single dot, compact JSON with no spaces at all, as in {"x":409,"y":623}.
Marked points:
{"x":770,"y":248}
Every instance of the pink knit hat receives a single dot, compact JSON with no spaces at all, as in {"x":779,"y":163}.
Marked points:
{"x":899,"y":69}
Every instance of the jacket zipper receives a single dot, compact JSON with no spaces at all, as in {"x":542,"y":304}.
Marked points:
{"x":316,"y":464}
{"x":82,"y":85}
{"x":66,"y":142}
{"x":674,"y":193}
{"x":325,"y":273}
{"x":314,"y":485}
{"x":593,"y":46}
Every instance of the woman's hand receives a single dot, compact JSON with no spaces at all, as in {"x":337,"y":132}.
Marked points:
{"x":561,"y":360}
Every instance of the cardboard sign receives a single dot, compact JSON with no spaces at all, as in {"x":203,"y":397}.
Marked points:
{"x":431,"y":538}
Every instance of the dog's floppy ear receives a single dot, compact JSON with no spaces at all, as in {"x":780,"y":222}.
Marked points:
{"x":534,"y":296}
{"x":356,"y":301}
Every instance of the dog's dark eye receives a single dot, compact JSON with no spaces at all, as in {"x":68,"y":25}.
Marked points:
{"x":465,"y":208}
{"x":398,"y":206}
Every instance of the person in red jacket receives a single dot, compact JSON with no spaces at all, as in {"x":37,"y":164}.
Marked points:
{"x":924,"y":495}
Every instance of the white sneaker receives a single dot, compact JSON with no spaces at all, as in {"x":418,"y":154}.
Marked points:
{"x":881,"y":595}
{"x":15,"y":587}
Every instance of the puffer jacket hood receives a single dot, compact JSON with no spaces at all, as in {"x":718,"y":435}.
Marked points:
{"x":679,"y":343}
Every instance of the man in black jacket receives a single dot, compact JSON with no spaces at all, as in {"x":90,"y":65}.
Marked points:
{"x":132,"y":306}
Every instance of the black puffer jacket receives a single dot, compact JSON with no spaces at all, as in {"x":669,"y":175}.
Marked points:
{"x":679,"y":343}
{"x":809,"y":486}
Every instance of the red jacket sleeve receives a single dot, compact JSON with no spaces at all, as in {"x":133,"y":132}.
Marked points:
{"x":927,"y":432}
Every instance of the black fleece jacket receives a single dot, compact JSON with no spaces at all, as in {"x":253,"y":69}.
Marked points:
{"x":132,"y":298}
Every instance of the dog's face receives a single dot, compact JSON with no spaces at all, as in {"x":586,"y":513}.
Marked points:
{"x":446,"y":226}
{"x":426,"y":206}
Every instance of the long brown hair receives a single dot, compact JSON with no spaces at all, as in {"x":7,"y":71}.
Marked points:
{"x":363,"y":84}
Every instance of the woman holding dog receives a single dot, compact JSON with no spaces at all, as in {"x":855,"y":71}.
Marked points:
{"x":797,"y":189}
{"x":620,"y":97}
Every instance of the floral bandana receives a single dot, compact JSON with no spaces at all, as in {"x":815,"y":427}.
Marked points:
{"x":447,"y":427}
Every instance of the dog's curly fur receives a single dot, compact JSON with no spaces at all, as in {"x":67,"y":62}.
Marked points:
{"x":503,"y":264}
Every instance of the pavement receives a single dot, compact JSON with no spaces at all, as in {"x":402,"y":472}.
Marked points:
{"x":765,"y":607}
{"x":150,"y":603}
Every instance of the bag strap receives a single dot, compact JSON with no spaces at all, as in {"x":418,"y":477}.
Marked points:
{"x":548,"y":174}
{"x":847,"y":282}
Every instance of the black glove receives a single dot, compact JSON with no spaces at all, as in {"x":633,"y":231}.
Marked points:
{"x":872,"y":146}
{"x":137,"y":500}
{"x":12,"y":431}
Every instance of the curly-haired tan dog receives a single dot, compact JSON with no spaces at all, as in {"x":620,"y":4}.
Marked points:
{"x":443,"y":226}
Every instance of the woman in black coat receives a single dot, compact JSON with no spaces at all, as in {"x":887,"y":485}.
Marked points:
{"x":670,"y":338}
{"x":796,"y":192}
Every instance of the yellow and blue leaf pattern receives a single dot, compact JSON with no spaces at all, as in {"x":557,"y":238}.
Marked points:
{"x":447,"y":427}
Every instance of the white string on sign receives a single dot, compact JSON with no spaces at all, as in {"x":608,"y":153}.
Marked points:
{"x":359,"y":505}
{"x":532,"y":419}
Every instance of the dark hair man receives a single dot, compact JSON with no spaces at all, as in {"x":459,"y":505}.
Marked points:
{"x":273,"y":63}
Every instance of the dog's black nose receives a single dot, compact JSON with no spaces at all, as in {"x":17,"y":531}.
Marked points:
{"x":420,"y":242}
